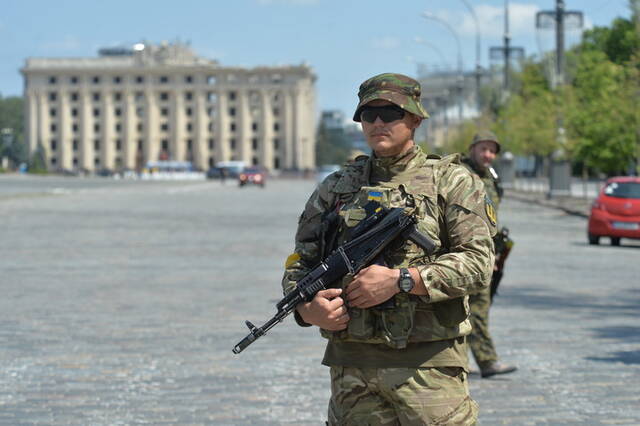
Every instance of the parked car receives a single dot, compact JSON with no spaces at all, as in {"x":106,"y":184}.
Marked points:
{"x":616,"y":211}
{"x":252,"y":175}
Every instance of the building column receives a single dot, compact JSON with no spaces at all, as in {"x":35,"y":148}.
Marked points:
{"x":286,"y":129}
{"x":130,"y":144}
{"x":87,"y":154}
{"x":201,"y":121}
{"x":222,"y":129}
{"x":177,"y":144}
{"x":243,"y":130}
{"x":107,"y":148}
{"x":152,"y":143}
{"x":265,"y":143}
{"x":65,"y":144}
{"x":44,"y":130}
{"x":32,"y":122}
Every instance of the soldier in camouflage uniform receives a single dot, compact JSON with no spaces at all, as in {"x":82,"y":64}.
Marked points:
{"x":406,"y":365}
{"x":482,"y":153}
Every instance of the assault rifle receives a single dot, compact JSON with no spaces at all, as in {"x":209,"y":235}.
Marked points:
{"x":380,"y":228}
{"x":503,"y":244}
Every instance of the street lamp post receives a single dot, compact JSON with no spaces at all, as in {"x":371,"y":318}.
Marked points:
{"x":478,"y":53}
{"x":428,"y":15}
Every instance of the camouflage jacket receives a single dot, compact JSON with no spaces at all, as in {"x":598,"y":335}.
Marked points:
{"x":491,"y":184}
{"x":451,"y":207}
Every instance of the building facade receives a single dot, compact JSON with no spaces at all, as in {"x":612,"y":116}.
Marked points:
{"x":126,"y":107}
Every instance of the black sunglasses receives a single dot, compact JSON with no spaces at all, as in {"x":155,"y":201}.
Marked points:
{"x":387,"y":113}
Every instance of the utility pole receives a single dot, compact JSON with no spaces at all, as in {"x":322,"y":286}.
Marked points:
{"x":506,"y":52}
{"x":560,"y":20}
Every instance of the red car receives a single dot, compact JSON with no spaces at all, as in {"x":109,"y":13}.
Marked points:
{"x":616,"y":211}
{"x":252,"y":175}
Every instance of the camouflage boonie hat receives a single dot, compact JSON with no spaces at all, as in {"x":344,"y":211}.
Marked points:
{"x":485,"y":135}
{"x":395,"y":88}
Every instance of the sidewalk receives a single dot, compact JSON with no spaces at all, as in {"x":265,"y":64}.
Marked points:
{"x":578,"y":206}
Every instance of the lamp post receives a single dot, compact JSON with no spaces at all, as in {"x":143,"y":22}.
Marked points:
{"x":428,"y":15}
{"x":478,"y":52}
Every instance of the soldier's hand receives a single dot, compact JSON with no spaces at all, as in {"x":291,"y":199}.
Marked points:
{"x":327,"y":310}
{"x":372,"y":286}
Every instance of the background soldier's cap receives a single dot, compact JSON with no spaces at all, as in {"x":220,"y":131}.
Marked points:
{"x":395,"y":88}
{"x":485,"y":135}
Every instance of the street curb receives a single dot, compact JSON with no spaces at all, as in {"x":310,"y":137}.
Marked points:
{"x":560,"y":203}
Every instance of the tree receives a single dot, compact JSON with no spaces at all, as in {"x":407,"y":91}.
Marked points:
{"x":12,"y":117}
{"x":332,"y":146}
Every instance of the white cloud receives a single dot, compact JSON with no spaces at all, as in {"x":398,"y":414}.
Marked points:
{"x":67,"y":44}
{"x":385,"y":43}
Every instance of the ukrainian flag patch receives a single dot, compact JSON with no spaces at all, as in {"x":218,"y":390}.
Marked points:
{"x":375,"y":196}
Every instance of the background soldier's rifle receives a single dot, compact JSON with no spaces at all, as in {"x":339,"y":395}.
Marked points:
{"x":380,"y":228}
{"x":503,"y":244}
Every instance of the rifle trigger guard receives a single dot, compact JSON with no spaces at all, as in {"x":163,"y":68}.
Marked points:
{"x":346,"y":260}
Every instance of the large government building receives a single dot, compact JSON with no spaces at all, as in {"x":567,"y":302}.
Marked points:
{"x":127,"y":107}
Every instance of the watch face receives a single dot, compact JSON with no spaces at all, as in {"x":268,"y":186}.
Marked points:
{"x":406,"y":282}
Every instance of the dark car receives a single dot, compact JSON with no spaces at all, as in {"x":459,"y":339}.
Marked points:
{"x":616,"y":211}
{"x":252,"y":175}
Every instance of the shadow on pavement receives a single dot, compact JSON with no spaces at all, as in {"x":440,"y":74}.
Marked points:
{"x":625,"y":357}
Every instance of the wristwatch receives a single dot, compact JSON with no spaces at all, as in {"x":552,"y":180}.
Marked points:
{"x":405,"y":282}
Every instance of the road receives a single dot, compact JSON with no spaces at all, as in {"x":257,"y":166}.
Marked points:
{"x":122,"y":301}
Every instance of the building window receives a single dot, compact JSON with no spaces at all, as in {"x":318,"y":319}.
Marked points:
{"x":188,"y":79}
{"x":96,"y":128}
{"x":232,"y":96}
{"x":74,"y":112}
{"x":75,"y":161}
{"x":54,"y":144}
{"x":118,"y":127}
{"x":189,"y":144}
{"x":165,"y":145}
{"x":117,"y":112}
{"x":188,"y":96}
{"x":53,"y":127}
{"x":139,"y":97}
{"x":74,"y":127}
{"x":276,"y":112}
{"x":52,"y":112}
{"x":140,"y":144}
{"x":96,"y":96}
{"x":117,"y":96}
{"x":96,"y":80}
{"x":164,"y":96}
{"x":96,"y":161}
{"x":211,"y":112}
{"x":211,"y":79}
{"x":54,"y":161}
{"x":75,"y":144}
{"x":254,"y":161}
{"x":164,"y":127}
{"x":164,"y":112}
{"x":140,"y":127}
{"x":117,"y":79}
{"x":232,"y":127}
{"x":276,"y":78}
{"x":232,"y":144}
{"x":96,"y":144}
{"x":118,"y":144}
{"x":210,"y":126}
{"x":212,"y":97}
{"x":74,"y":96}
{"x":53,"y":96}
{"x":254,"y":143}
{"x":139,"y":112}
{"x":53,"y":80}
{"x":96,"y":112}
{"x":254,"y":126}
{"x":189,"y":127}
{"x":74,"y":80}
{"x":139,"y":79}
{"x":164,"y":79}
{"x":276,"y":127}
{"x":212,"y":161}
{"x":276,"y":143}
{"x":232,"y":112}
{"x":211,"y":144}
{"x":188,"y":111}
{"x":276,"y":163}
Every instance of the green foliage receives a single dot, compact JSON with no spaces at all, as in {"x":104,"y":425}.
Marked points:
{"x":332,"y":146}
{"x":12,"y":117}
{"x":37,"y":162}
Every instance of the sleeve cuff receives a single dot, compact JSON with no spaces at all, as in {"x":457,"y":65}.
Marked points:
{"x":299,"y":319}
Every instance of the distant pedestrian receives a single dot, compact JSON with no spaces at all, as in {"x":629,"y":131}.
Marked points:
{"x":482,"y":152}
{"x":223,"y":175}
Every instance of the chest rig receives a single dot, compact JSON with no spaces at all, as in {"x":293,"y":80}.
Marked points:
{"x":406,"y":318}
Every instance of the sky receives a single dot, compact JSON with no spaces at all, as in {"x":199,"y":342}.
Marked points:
{"x":344,"y":41}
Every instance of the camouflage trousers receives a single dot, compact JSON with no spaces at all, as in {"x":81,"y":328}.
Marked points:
{"x":400,"y":396}
{"x":479,"y":340}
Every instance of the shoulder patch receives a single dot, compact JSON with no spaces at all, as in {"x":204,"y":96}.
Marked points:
{"x":490,"y":210}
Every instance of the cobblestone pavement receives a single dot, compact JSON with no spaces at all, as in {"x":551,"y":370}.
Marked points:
{"x":122,"y":301}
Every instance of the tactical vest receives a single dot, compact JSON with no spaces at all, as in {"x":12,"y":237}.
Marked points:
{"x":412,"y":318}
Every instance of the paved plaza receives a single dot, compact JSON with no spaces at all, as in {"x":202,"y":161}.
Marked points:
{"x":121,"y":302}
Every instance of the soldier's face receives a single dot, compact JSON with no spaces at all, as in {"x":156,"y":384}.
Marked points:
{"x":393,"y":138}
{"x":483,"y":153}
